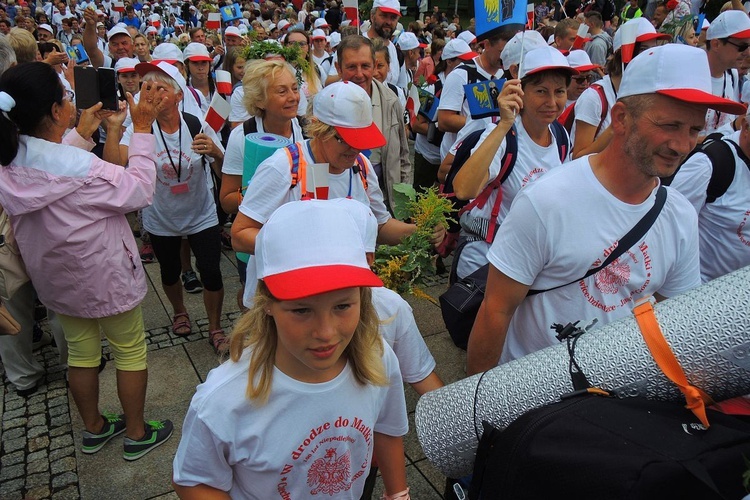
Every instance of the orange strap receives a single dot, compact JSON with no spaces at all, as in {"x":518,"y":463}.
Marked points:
{"x":301,"y":172}
{"x":696,"y":399}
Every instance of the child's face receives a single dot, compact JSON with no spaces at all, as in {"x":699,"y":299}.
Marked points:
{"x":314,"y":332}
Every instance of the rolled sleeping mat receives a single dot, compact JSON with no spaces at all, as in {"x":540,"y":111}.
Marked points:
{"x":708,"y":329}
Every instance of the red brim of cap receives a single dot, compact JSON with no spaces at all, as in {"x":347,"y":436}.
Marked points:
{"x":694,"y":96}
{"x":653,"y":36}
{"x":741,"y":34}
{"x":468,"y":56}
{"x":422,"y":45}
{"x":573,"y":71}
{"x":301,"y":283}
{"x":230,"y":34}
{"x":148,"y":67}
{"x":200,"y":58}
{"x":362,"y":138}
{"x":390,"y":11}
{"x":588,"y":67}
{"x":126,"y":70}
{"x":170,"y":61}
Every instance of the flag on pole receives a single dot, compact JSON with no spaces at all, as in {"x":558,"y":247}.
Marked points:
{"x":218,"y":112}
{"x":214,"y":21}
{"x":231,"y":12}
{"x":629,"y":35}
{"x":223,"y":82}
{"x":351,"y":9}
{"x":494,"y":16}
{"x":530,"y":16}
{"x":118,"y":6}
{"x":581,"y":36}
{"x":319,"y":173}
{"x":412,"y":102}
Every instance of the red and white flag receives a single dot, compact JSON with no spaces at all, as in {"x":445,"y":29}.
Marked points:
{"x":319,"y":173}
{"x":217,"y":113}
{"x":581,"y":39}
{"x":629,"y":35}
{"x":530,"y":16}
{"x":412,"y":102}
{"x":223,"y":82}
{"x":351,"y":9}
{"x":118,"y":6}
{"x":214,"y":21}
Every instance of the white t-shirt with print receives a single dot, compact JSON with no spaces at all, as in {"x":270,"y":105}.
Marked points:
{"x":589,"y":108}
{"x":400,"y":331}
{"x":565,"y":224}
{"x":183,"y":213}
{"x":234,"y":159}
{"x":724,"y":225}
{"x":307,"y":441}
{"x":532,"y":161}
{"x":727,"y":86}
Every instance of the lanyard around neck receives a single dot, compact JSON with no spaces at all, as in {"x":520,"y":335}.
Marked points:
{"x":178,"y":168}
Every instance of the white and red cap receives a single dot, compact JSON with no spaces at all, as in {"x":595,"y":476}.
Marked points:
{"x":233,"y":31}
{"x":705,"y":25}
{"x":320,"y":23}
{"x":318,"y":34}
{"x":730,"y":23}
{"x":167,"y":52}
{"x":45,"y":27}
{"x":644,"y":33}
{"x":389,"y":6}
{"x":529,"y":40}
{"x":458,"y":48}
{"x":150,"y":30}
{"x":580,"y":60}
{"x":164,"y":68}
{"x":408,"y":41}
{"x":283,"y":24}
{"x":118,"y":29}
{"x":335,"y":39}
{"x":333,"y":257}
{"x":467,"y":36}
{"x":126,"y":65}
{"x":196,"y":52}
{"x":661,"y":70}
{"x":347,"y":107}
{"x":544,"y":59}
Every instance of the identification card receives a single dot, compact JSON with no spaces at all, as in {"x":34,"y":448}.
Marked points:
{"x":180,"y":188}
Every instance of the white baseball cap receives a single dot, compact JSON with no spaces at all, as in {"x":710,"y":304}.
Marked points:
{"x":168,"y":52}
{"x":151,"y":29}
{"x":451,"y":27}
{"x":467,"y":36}
{"x":390,"y":6}
{"x":318,"y":34}
{"x":283,"y":24}
{"x":661,"y":70}
{"x":458,"y":48}
{"x":347,"y":107}
{"x":580,"y":60}
{"x":165,"y":68}
{"x":730,"y":23}
{"x":529,"y":40}
{"x":543,"y":59}
{"x":408,"y":41}
{"x":45,"y":27}
{"x":334,"y":256}
{"x":126,"y":65}
{"x":118,"y":29}
{"x":335,"y":39}
{"x":364,"y":218}
{"x":243,"y":29}
{"x":233,"y":31}
{"x":196,"y":52}
{"x":320,"y":23}
{"x":645,"y":32}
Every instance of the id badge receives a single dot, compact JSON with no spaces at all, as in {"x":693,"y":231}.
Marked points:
{"x":180,"y":188}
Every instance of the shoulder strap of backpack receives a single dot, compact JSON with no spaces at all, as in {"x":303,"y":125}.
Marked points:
{"x":603,"y":97}
{"x":567,"y":117}
{"x":195,"y":95}
{"x":472,"y":73}
{"x":361,"y":169}
{"x":249,"y":126}
{"x":723,"y":167}
{"x":561,"y":139}
{"x":297,"y":168}
{"x":462,"y":154}
{"x":700,"y":148}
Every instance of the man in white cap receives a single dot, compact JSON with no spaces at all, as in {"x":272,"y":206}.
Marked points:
{"x":410,"y":48}
{"x":120,"y":42}
{"x":233,"y":37}
{"x":45,"y":33}
{"x":727,"y":38}
{"x":564,"y":229}
{"x":383,"y":20}
{"x":320,"y":57}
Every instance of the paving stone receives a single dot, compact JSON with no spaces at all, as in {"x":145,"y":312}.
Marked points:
{"x":69,"y":493}
{"x":60,"y":400}
{"x":37,"y":455}
{"x":60,"y":420}
{"x":13,"y":405}
{"x":63,"y":465}
{"x":38,"y":492}
{"x":11,"y":472}
{"x":14,"y":444}
{"x":13,"y":414}
{"x":58,"y":431}
{"x":16,"y":422}
{"x":55,"y":455}
{"x":59,"y":442}
{"x":57,"y":393}
{"x":37,"y":408}
{"x":14,"y":458}
{"x":37,"y":431}
{"x":11,"y":489}
{"x":57,"y":410}
{"x":13,"y":434}
{"x":160,"y":338}
{"x":37,"y":466}
{"x":57,"y":384}
{"x":64,"y":479}
{"x":36,"y":398}
{"x":152,"y":347}
{"x":37,"y":420}
{"x":36,"y":480}
{"x":38,"y":443}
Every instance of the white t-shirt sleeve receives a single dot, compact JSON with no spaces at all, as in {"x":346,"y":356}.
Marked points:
{"x":588,"y":107}
{"x":234,"y":158}
{"x":392,"y":420}
{"x":685,"y":273}
{"x":452,"y":97}
{"x":238,"y":112}
{"x":692,"y":180}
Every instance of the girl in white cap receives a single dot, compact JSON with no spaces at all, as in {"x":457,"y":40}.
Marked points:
{"x":311,"y":391}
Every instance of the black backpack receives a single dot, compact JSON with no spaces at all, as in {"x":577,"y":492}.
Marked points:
{"x":597,"y":447}
{"x":723,"y":165}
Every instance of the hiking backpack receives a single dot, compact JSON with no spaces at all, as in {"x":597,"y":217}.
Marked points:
{"x":568,"y":117}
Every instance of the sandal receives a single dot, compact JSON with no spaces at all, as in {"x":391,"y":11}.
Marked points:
{"x":181,"y":325}
{"x":219,"y":341}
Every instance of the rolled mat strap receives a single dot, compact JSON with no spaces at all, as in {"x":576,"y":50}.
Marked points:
{"x":664,"y":356}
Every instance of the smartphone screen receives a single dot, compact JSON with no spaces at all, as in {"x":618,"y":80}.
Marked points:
{"x":108,"y":88}
{"x":87,"y":86}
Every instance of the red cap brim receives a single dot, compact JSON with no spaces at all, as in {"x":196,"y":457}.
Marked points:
{"x":587,"y":67}
{"x":126,"y":70}
{"x":741,"y":34}
{"x":362,"y":138}
{"x":422,"y":45}
{"x":468,"y":56}
{"x":653,"y":36}
{"x":390,"y":11}
{"x":694,"y":96}
{"x":309,"y":281}
{"x":200,"y":58}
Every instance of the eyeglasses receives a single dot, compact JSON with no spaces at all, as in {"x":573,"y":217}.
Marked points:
{"x":741,"y":47}
{"x":582,"y":79}
{"x":298,"y":44}
{"x":69,"y":95}
{"x":341,"y":141}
